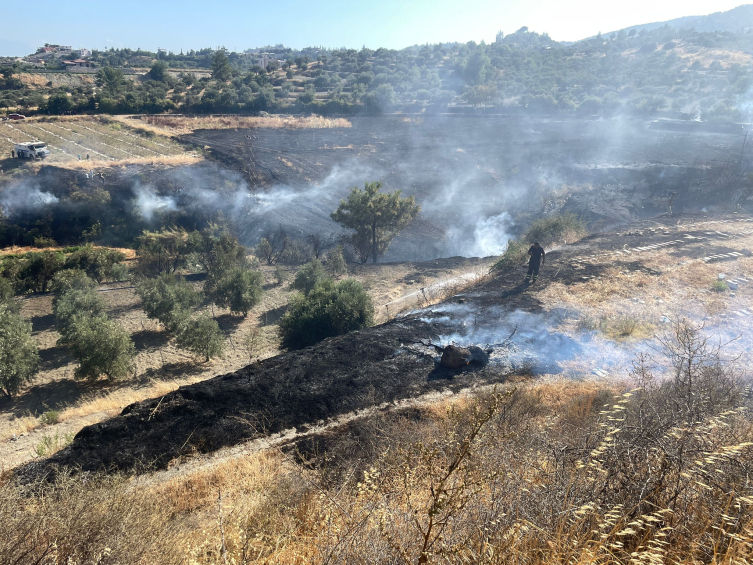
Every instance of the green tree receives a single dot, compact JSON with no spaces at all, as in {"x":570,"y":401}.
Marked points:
{"x":159,"y":71}
{"x":161,"y":252}
{"x":111,"y":80}
{"x":73,"y":303}
{"x":221,"y":70}
{"x":217,"y":252}
{"x":97,"y":262}
{"x":311,"y":274}
{"x":39,"y":268}
{"x":168,"y":299}
{"x":240,"y":289}
{"x":380,"y":98}
{"x":19,"y":357}
{"x":309,"y":94}
{"x":58,"y":104}
{"x":202,"y":336}
{"x":328,"y":310}
{"x":375,"y":217}
{"x":101,"y":347}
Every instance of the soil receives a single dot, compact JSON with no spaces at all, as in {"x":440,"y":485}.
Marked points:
{"x":389,"y":363}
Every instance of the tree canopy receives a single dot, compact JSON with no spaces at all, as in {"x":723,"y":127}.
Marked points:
{"x":375,"y":217}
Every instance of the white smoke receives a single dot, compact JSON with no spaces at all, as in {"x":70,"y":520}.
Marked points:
{"x":149,"y":204}
{"x":24,"y":197}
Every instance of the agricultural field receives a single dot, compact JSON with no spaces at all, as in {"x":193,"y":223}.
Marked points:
{"x":71,"y":139}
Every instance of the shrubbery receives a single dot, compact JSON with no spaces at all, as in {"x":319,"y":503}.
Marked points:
{"x":308,"y":277}
{"x":547,"y":231}
{"x":328,"y":310}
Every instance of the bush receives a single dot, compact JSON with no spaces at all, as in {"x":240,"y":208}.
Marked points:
{"x":97,"y":262}
{"x":240,"y":290}
{"x":202,"y":336}
{"x":309,"y":276}
{"x":101,"y":347}
{"x":327,"y":310}
{"x":555,"y":229}
{"x":720,"y":286}
{"x":19,"y":357}
{"x":514,"y":255}
{"x":336,"y":262}
{"x":50,"y":418}
{"x":281,"y":275}
{"x":168,"y":299}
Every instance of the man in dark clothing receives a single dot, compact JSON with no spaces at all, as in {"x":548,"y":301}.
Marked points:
{"x":538,"y":256}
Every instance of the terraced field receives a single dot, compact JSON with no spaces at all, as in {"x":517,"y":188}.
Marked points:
{"x":72,"y":138}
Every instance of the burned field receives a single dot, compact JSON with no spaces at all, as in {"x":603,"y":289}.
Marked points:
{"x":478,"y":179}
{"x":518,"y":330}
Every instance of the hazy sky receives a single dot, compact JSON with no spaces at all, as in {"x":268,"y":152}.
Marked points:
{"x":240,"y":24}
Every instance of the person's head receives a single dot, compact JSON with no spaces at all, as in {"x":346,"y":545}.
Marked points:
{"x":536,"y":244}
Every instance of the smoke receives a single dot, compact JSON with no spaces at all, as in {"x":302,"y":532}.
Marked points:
{"x":151,"y":205}
{"x":24,"y":197}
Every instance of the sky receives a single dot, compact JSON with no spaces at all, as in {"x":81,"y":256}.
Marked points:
{"x":242,"y":24}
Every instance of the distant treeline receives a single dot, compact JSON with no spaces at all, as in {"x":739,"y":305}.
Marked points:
{"x":664,"y":69}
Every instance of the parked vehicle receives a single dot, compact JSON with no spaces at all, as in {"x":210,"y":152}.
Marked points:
{"x":31,"y":150}
{"x":16,"y":117}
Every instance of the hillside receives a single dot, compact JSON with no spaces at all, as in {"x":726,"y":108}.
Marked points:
{"x":347,"y":451}
{"x":702,"y":70}
{"x":737,"y":20}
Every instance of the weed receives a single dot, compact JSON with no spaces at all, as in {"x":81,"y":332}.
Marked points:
{"x":49,"y":444}
{"x":281,"y":275}
{"x":50,"y":418}
{"x":719,"y":286}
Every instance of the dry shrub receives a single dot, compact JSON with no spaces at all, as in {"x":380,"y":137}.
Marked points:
{"x":181,"y":125}
{"x":530,"y":475}
{"x":75,"y":521}
{"x":661,"y":476}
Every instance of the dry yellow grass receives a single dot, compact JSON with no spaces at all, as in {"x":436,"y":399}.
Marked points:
{"x":180,"y":125}
{"x":509,"y":477}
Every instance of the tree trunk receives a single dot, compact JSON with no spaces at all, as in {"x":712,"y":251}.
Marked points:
{"x":373,"y":243}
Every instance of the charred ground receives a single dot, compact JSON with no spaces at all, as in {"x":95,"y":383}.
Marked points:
{"x":374,"y":368}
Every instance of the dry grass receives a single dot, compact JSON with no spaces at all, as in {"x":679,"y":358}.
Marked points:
{"x":537,"y":474}
{"x":181,"y":125}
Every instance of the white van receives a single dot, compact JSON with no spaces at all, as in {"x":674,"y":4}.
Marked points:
{"x":31,"y":150}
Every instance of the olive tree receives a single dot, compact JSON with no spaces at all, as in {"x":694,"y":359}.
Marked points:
{"x":168,"y":299}
{"x":101,"y":347}
{"x":202,"y":336}
{"x":19,"y":357}
{"x":239,"y":290}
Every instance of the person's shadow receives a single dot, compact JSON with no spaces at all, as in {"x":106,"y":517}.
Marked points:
{"x":515,"y":290}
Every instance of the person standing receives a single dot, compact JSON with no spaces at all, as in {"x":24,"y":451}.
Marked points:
{"x":538,"y":256}
{"x":671,"y":203}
